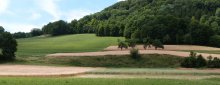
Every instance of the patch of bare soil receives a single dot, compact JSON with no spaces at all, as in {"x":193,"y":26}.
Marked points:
{"x":169,"y":47}
{"x":29,"y":70}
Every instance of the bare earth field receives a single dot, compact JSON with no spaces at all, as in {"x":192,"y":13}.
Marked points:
{"x":86,"y":72}
{"x":170,"y":47}
{"x":30,"y":70}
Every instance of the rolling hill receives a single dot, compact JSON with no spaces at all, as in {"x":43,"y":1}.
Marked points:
{"x":171,"y":21}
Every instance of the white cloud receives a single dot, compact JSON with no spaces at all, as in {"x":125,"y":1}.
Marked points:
{"x":76,"y":14}
{"x":35,"y":16}
{"x":3,"y":5}
{"x":50,"y":7}
{"x":16,"y":27}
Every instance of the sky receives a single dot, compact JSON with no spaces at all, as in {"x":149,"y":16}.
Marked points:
{"x":24,"y":15}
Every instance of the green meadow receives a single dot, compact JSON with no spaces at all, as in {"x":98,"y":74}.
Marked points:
{"x":98,"y":81}
{"x":40,"y":46}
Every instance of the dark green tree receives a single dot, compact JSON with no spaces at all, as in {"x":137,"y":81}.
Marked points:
{"x":8,"y":45}
{"x":36,"y":32}
{"x":18,"y":35}
{"x":132,"y":42}
{"x":147,"y":43}
{"x":122,"y":44}
{"x":1,"y":29}
{"x":157,"y":44}
{"x":57,"y":28}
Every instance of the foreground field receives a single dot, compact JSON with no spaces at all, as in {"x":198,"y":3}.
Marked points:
{"x":40,"y":46}
{"x":98,"y":81}
{"x":180,"y":73}
{"x":121,"y":73}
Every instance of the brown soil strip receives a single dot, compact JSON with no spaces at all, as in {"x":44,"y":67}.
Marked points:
{"x":41,"y":71}
{"x":170,"y":47}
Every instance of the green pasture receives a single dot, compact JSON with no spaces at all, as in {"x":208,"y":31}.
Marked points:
{"x":98,"y":81}
{"x":40,"y":46}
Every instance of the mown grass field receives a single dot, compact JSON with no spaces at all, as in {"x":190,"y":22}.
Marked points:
{"x":156,"y":71}
{"x":98,"y":81}
{"x":147,"y":61}
{"x":40,"y":46}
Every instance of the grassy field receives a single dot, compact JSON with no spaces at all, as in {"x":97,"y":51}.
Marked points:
{"x":39,"y":46}
{"x":97,"y":81}
{"x":154,"y":71}
{"x":147,"y":61}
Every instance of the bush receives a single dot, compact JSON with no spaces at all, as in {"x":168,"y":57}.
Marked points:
{"x":134,"y":53}
{"x":213,"y":63}
{"x":194,"y":61}
{"x":189,"y":62}
{"x":200,"y":61}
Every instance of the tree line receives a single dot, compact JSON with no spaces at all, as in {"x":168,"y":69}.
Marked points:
{"x":195,"y":22}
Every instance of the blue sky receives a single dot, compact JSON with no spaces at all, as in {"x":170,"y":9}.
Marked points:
{"x":23,"y":15}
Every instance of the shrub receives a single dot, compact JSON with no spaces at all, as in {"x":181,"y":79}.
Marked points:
{"x":189,"y":62}
{"x":200,"y":61}
{"x":134,"y":53}
{"x":194,"y":61}
{"x":213,"y":62}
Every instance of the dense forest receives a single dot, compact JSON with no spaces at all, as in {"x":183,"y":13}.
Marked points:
{"x":171,"y":21}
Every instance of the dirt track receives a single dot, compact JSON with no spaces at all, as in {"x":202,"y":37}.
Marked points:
{"x":29,"y":70}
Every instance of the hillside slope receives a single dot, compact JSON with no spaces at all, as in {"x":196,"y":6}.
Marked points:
{"x":39,"y":46}
{"x":171,"y":21}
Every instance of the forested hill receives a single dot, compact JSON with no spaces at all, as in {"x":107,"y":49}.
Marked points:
{"x":171,"y":21}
